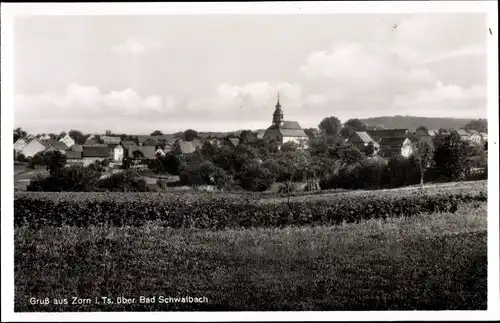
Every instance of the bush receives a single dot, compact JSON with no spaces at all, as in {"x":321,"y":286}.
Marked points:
{"x":126,"y":181}
{"x":180,"y":211}
{"x":68,"y":179}
{"x":255,"y":177}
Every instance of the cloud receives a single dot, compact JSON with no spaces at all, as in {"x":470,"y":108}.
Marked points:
{"x":440,"y":94}
{"x":88,"y":102}
{"x":464,"y":52}
{"x":132,"y":46}
{"x":445,"y":101}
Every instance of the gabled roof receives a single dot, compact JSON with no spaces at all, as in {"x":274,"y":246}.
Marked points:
{"x":127,"y":143}
{"x":111,"y":140}
{"x":234,"y":141}
{"x":292,"y":133}
{"x":76,"y":148}
{"x":462,"y":132}
{"x":484,"y":134}
{"x":292,"y":125}
{"x":260,"y":133}
{"x":98,"y":151}
{"x":363,"y":136}
{"x":186,"y":147}
{"x":149,"y":152}
{"x":70,"y":154}
{"x":91,"y":142}
{"x":377,"y":135}
{"x":396,"y":141}
{"x":474,"y":132}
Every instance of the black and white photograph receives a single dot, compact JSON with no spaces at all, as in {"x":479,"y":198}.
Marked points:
{"x":260,"y":159}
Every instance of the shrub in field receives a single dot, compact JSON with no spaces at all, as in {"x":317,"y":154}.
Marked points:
{"x":217,"y":212}
{"x":126,"y":181}
{"x":68,"y":179}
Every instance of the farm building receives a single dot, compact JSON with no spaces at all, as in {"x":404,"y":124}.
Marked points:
{"x":20,"y":144}
{"x":93,"y":153}
{"x":67,"y":140}
{"x":32,"y":148}
{"x":361,"y":140}
{"x":395,"y":146}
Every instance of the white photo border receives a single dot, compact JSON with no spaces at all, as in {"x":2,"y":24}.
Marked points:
{"x":10,"y":10}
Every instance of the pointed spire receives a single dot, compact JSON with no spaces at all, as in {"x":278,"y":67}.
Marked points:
{"x":278,"y":105}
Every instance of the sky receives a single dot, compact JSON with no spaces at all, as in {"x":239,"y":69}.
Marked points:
{"x":137,"y":74}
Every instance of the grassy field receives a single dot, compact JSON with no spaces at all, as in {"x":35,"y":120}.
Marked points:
{"x":23,"y":175}
{"x":428,"y":262}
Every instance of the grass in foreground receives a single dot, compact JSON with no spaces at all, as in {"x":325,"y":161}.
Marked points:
{"x":432,"y":262}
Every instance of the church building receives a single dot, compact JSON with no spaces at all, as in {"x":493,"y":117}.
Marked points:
{"x":284,"y":131}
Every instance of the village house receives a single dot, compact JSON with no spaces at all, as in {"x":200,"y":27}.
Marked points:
{"x":67,"y":140}
{"x":464,"y":135}
{"x":390,"y":147}
{"x":146,"y":152}
{"x":116,"y":152}
{"x":475,"y":136}
{"x":361,"y":140}
{"x":484,"y":136}
{"x":53,"y":145}
{"x":32,"y":148}
{"x":184,"y":147}
{"x":284,"y":131}
{"x":377,"y":135}
{"x":20,"y":144}
{"x":93,"y":153}
{"x":111,"y":140}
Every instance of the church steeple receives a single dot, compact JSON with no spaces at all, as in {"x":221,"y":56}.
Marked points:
{"x":278,"y":114}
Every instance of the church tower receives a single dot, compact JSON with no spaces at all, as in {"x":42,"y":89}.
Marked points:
{"x":278,"y":114}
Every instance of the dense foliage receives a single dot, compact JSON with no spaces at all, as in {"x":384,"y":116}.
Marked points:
{"x":217,"y":212}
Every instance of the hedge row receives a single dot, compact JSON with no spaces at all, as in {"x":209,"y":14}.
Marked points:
{"x":218,"y":213}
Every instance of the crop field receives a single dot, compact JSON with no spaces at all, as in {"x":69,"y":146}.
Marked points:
{"x":416,"y":257}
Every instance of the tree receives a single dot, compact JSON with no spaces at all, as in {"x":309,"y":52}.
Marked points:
{"x":330,"y":126}
{"x":369,"y":149}
{"x":137,"y":154}
{"x":311,"y":132}
{"x":21,"y":158}
{"x":109,"y":133}
{"x":289,"y":146}
{"x":190,"y":135}
{"x":422,"y":129}
{"x":351,"y":126}
{"x":157,"y":133}
{"x":52,"y":136}
{"x":451,"y":157}
{"x":422,"y":155}
{"x":54,"y":160}
{"x":480,"y":125}
{"x":61,"y":135}
{"x":298,"y":164}
{"x":19,"y":133}
{"x":343,"y":155}
{"x":247,"y":137}
{"x":78,"y":137}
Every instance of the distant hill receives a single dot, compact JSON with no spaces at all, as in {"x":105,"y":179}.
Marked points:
{"x":409,"y":122}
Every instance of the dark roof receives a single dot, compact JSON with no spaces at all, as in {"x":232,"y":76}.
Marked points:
{"x":149,"y":152}
{"x":395,"y":141}
{"x":291,"y":125}
{"x":472,"y":131}
{"x":363,"y":136}
{"x":60,"y":145}
{"x":127,"y":143}
{"x":377,"y":135}
{"x":462,"y":132}
{"x":73,"y":154}
{"x":95,"y":151}
{"x":76,"y":148}
{"x":89,"y":142}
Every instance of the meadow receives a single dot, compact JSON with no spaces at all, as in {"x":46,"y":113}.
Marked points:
{"x":427,"y":261}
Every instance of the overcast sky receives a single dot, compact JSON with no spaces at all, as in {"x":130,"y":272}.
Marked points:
{"x":222,"y":73}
